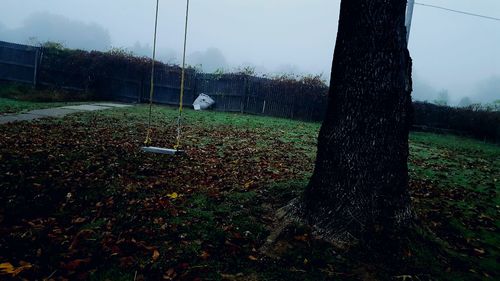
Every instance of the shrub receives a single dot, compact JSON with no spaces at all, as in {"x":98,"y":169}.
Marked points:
{"x":473,"y":121}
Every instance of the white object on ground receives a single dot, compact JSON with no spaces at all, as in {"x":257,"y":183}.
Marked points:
{"x":203,"y":102}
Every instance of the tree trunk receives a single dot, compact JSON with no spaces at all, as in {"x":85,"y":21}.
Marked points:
{"x":360,"y":181}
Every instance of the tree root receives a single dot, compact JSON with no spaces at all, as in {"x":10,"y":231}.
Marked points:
{"x":285,"y":217}
{"x":293,"y":213}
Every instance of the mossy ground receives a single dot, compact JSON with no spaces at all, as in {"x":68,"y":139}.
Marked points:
{"x":80,"y":201}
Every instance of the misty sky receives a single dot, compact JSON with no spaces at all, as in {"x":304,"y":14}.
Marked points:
{"x":453,"y":52}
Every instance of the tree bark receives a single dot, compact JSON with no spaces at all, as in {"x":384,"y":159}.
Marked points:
{"x":360,"y":182}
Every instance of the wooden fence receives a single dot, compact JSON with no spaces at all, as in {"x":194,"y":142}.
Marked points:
{"x":125,"y":78}
{"x":125,"y":81}
{"x":262,"y":96}
{"x":19,"y":62}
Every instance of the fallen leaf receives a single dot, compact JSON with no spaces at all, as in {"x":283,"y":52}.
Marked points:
{"x":126,"y":262}
{"x":79,"y":220}
{"x":8,"y":269}
{"x":156,"y":255}
{"x":169,"y":275}
{"x":82,"y":235}
{"x":73,"y":265}
{"x":204,"y":255}
{"x":173,"y":195}
{"x":479,"y":251}
{"x":302,"y":238}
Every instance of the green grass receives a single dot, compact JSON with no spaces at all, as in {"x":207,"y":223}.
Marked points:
{"x":18,"y":106}
{"x":465,"y":174}
{"x":465,"y":171}
{"x":239,"y":169}
{"x":18,"y":98}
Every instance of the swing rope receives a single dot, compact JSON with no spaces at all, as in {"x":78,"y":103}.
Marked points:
{"x":183,"y":80}
{"x":152,"y":81}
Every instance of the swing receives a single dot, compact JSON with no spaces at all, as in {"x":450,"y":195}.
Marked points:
{"x":159,"y":150}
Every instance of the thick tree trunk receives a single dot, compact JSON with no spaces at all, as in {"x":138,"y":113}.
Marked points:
{"x":360,"y":182}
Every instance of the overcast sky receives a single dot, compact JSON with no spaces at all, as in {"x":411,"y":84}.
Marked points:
{"x":453,"y":52}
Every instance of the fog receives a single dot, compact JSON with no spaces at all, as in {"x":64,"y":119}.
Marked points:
{"x":452,"y":52}
{"x":43,"y":26}
{"x":487,"y":88}
{"x":209,"y":60}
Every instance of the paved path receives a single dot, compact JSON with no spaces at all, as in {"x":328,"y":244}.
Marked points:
{"x":58,"y":112}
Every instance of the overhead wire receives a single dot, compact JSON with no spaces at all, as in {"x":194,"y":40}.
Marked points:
{"x":457,"y":11}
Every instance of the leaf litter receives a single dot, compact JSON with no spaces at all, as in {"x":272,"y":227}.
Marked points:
{"x":81,"y":201}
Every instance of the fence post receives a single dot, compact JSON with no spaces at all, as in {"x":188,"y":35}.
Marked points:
{"x":245,"y":93}
{"x":35,"y":71}
{"x":224,"y":101}
{"x":194,"y":88}
{"x":294,"y":100}
{"x":141,"y":90}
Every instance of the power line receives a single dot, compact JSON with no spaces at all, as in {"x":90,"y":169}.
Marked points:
{"x":457,"y":11}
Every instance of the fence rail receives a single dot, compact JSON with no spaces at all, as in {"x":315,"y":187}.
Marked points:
{"x":19,"y":62}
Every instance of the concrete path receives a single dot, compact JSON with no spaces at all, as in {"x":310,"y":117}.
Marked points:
{"x":58,"y":112}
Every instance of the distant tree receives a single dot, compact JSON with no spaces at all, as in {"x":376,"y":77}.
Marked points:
{"x":313,"y":80}
{"x":210,"y":59}
{"x":493,"y":106}
{"x":422,"y":91}
{"x":464,"y":102}
{"x":141,"y":50}
{"x":33,"y":41}
{"x":246,"y":70}
{"x":488,"y":89}
{"x":121,"y":52}
{"x":443,"y":98}
{"x":47,"y":26}
{"x":53,"y":45}
{"x":219,"y":72}
{"x":360,"y":182}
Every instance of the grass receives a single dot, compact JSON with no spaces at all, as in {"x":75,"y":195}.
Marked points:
{"x":8,"y":106}
{"x":466,"y":173}
{"x":79,"y":197}
{"x":19,"y":98}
